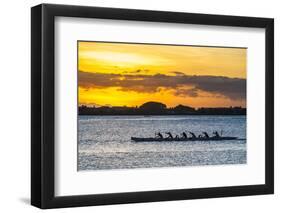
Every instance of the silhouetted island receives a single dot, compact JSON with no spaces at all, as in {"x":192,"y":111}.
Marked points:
{"x":157,"y":108}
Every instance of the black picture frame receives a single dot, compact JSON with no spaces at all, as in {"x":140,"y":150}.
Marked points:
{"x":43,"y":113}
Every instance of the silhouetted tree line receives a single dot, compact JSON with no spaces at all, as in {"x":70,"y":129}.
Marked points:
{"x":156,"y":108}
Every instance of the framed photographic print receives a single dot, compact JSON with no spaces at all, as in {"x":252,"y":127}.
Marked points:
{"x":139,"y":106}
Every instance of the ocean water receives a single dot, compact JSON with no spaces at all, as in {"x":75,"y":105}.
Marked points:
{"x":104,"y":142}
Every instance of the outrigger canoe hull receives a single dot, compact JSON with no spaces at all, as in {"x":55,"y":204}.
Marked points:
{"x":181,"y":139}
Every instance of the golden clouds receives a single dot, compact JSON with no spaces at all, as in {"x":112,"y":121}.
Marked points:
{"x":131,"y":74}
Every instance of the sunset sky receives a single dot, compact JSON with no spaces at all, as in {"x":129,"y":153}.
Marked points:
{"x":123,"y":74}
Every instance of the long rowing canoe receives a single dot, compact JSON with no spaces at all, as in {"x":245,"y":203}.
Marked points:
{"x":182,"y":139}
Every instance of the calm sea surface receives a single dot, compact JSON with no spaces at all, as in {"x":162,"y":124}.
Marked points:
{"x":104,"y":142}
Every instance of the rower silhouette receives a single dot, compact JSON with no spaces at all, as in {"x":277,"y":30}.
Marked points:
{"x":184,"y":135}
{"x":216,"y":134}
{"x":159,"y":135}
{"x":169,"y":135}
{"x":206,"y":134}
{"x":192,"y":135}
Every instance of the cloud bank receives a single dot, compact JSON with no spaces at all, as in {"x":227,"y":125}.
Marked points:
{"x":183,"y":85}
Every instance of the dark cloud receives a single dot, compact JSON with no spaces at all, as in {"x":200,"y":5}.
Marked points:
{"x":183,"y":85}
{"x":136,"y":71}
{"x":178,"y":73}
{"x":193,"y":92}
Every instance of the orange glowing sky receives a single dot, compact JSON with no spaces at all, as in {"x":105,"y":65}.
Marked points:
{"x":123,"y":74}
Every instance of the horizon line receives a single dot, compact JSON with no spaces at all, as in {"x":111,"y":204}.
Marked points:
{"x":110,"y":106}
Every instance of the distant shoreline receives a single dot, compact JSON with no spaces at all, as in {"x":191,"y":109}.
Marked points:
{"x":165,"y":115}
{"x":156,"y":108}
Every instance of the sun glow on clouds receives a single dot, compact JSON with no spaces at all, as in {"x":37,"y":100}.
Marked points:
{"x":120,"y":74}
